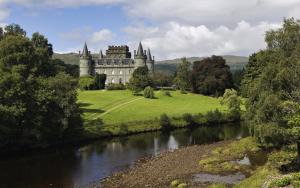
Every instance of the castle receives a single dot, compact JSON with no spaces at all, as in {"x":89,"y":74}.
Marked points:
{"x":117,"y":63}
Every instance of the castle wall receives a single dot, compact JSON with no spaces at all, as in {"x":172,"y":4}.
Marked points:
{"x":120,"y":74}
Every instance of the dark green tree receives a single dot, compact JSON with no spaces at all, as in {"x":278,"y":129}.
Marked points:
{"x":182,"y":79}
{"x":100,"y":81}
{"x":140,"y":80}
{"x":35,"y":108}
{"x":211,"y":76}
{"x":272,"y":85}
{"x":1,"y":33}
{"x":14,"y":29}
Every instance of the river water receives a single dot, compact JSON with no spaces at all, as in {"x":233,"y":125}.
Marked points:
{"x":80,"y":166}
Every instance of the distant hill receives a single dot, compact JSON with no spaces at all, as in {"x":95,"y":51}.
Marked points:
{"x":169,"y":66}
{"x":235,"y":63}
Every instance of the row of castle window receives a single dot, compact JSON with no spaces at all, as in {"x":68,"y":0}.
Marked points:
{"x":114,"y":72}
{"x":113,"y":80}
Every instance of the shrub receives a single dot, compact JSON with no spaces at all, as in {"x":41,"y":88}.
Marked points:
{"x":285,"y":181}
{"x":188,"y":118}
{"x":165,"y":122}
{"x":200,"y":119}
{"x":214,"y":116}
{"x":175,"y":183}
{"x":183,"y":91}
{"x":113,"y":86}
{"x":149,"y":93}
{"x":123,"y":129}
{"x":167,"y":93}
{"x":182,"y":185}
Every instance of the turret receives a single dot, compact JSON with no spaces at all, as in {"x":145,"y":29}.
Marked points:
{"x":85,"y":62}
{"x":150,"y":62}
{"x":140,"y":57}
{"x":100,"y":55}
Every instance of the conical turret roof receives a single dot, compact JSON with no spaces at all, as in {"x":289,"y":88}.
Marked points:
{"x":149,"y":57}
{"x":100,"y":55}
{"x":140,"y":51}
{"x":85,"y":52}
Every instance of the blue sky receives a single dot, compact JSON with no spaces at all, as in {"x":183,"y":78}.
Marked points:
{"x":170,"y":28}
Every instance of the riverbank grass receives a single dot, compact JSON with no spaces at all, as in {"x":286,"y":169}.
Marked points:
{"x":221,"y":159}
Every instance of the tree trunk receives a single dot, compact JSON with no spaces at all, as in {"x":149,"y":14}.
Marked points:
{"x":298,"y":152}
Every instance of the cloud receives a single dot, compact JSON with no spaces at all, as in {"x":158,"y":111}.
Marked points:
{"x":212,"y":12}
{"x":103,"y":35}
{"x":177,"y":40}
{"x":4,"y":13}
{"x":60,"y":3}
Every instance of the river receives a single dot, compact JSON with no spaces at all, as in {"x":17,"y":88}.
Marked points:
{"x":80,"y":166}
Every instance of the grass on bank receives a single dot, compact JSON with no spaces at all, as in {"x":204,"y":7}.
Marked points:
{"x":116,"y":107}
{"x":280,"y":170}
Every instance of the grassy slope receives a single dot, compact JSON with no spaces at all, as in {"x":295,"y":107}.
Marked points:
{"x":123,"y":107}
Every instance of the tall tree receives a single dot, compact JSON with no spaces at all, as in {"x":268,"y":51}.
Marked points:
{"x":182,"y":79}
{"x":35,"y":108}
{"x":211,"y":76}
{"x":140,"y":80}
{"x":14,"y":29}
{"x":273,"y":85}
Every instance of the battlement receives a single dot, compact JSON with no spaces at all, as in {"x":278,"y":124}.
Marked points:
{"x":118,"y":52}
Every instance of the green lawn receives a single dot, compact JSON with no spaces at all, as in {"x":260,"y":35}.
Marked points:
{"x":116,"y":107}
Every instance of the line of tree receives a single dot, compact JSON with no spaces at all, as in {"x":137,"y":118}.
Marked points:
{"x":37,"y":95}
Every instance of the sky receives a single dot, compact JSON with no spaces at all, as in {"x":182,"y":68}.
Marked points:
{"x":170,"y":28}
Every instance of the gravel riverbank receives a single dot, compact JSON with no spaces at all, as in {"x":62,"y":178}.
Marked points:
{"x":160,"y":171}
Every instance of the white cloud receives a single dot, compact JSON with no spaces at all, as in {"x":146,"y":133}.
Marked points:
{"x":4,"y":13}
{"x":103,"y":35}
{"x":179,"y":40}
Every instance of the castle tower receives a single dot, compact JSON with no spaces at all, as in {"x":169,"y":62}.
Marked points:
{"x":100,"y":55}
{"x":150,"y":62}
{"x":85,"y":62}
{"x":140,"y":57}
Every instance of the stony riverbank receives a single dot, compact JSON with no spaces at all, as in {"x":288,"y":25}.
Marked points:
{"x":160,"y":171}
{"x":224,"y":162}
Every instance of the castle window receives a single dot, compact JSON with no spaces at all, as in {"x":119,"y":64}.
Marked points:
{"x":113,"y":72}
{"x":104,"y":71}
{"x":121,"y":72}
{"x":113,"y":80}
{"x":120,"y":81}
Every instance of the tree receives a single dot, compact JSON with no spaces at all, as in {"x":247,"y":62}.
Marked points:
{"x":149,"y":93}
{"x":272,"y":85}
{"x":140,"y":80}
{"x":162,"y":79}
{"x":41,"y":43}
{"x":233,"y":102}
{"x":100,"y":81}
{"x":211,"y":76}
{"x":1,"y":33}
{"x":237,"y":76}
{"x":182,"y":79}
{"x":14,"y":29}
{"x":86,"y":83}
{"x":35,"y":108}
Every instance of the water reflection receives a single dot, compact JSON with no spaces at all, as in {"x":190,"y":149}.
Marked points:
{"x":79,"y":166}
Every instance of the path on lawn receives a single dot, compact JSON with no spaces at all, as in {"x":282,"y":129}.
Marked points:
{"x":116,"y":107}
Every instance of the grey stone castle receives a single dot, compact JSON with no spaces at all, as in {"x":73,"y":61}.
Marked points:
{"x":117,"y":63}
